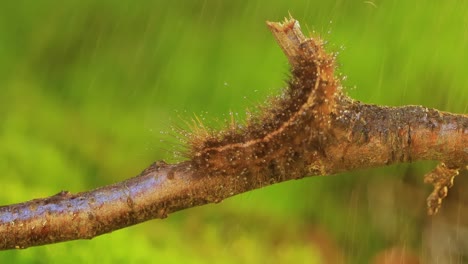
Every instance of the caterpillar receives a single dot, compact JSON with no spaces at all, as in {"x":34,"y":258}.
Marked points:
{"x":284,"y":136}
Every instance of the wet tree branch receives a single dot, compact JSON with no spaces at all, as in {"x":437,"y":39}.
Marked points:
{"x":357,"y":136}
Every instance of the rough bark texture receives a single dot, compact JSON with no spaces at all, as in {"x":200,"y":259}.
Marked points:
{"x":355,"y":136}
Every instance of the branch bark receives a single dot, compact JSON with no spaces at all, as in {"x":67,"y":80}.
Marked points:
{"x":355,"y":136}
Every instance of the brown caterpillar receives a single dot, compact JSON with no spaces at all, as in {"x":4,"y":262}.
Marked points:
{"x":285,"y":136}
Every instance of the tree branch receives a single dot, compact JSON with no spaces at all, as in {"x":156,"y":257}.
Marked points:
{"x":325,"y":134}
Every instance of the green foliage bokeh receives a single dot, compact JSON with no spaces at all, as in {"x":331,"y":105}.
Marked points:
{"x":90,"y":92}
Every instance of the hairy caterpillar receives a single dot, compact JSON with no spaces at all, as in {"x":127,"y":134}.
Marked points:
{"x":286,"y":135}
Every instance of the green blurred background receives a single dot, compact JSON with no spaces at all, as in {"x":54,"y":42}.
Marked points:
{"x":90,"y":93}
